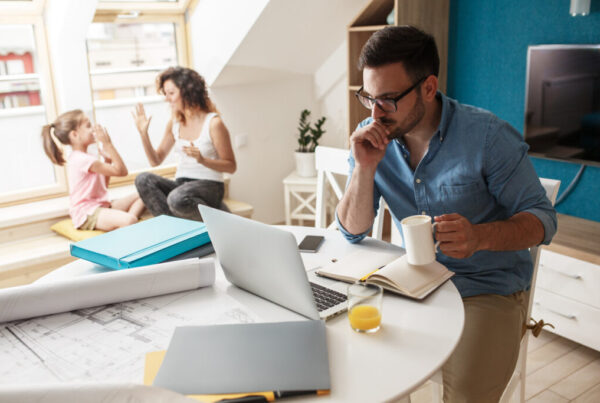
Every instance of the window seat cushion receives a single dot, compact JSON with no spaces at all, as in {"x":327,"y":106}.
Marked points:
{"x":66,"y":229}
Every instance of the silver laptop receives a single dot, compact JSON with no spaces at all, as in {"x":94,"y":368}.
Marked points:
{"x":265,"y":261}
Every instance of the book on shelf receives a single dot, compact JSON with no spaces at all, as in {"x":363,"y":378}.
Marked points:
{"x":390,"y":270}
{"x":144,"y":243}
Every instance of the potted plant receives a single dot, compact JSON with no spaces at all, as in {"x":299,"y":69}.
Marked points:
{"x":308,"y":140}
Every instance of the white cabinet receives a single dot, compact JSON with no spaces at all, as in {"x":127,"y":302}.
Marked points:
{"x":567,"y":295}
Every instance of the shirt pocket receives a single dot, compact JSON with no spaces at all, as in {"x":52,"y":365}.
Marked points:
{"x":466,"y":200}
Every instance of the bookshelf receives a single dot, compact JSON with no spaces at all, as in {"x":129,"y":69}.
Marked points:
{"x":429,"y":15}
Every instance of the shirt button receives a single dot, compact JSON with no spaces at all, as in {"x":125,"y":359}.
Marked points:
{"x":424,"y":212}
{"x":418,"y":180}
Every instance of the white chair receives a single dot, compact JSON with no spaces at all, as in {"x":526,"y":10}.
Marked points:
{"x":518,"y":377}
{"x":330,"y":161}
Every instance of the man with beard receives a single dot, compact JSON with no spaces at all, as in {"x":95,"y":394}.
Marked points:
{"x":425,"y":153}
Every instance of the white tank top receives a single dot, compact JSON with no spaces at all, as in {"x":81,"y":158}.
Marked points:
{"x":188,"y":167}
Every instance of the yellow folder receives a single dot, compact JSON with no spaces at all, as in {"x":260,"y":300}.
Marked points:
{"x":155,"y":358}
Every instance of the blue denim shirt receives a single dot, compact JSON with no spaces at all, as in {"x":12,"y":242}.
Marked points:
{"x":476,"y":166}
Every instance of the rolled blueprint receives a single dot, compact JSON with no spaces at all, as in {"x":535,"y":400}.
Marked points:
{"x":68,"y":294}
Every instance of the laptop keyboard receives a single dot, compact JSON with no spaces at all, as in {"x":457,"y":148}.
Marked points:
{"x":326,"y":297}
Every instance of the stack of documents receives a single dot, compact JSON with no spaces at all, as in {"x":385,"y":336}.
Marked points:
{"x":288,"y":358}
{"x":145,"y":243}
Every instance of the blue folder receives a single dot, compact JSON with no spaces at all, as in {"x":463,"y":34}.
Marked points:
{"x":147,"y":242}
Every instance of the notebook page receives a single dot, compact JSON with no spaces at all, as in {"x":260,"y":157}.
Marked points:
{"x":357,"y":264}
{"x":410,"y":278}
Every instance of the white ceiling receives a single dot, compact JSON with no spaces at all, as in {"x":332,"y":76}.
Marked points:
{"x":296,"y":36}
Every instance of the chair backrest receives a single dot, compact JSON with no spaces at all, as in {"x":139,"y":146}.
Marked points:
{"x":519,"y":375}
{"x":330,"y":161}
{"x":551,"y":187}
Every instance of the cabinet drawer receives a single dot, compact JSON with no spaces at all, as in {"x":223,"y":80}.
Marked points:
{"x":571,"y":319}
{"x":570,"y":277}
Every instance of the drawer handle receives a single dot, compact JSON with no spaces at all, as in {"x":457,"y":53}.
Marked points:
{"x":564,"y":315}
{"x":573,"y":276}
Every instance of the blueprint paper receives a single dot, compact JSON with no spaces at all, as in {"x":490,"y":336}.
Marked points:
{"x":68,"y":294}
{"x":105,"y":344}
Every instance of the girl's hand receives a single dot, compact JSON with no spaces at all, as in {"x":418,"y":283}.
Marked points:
{"x":193,"y":152}
{"x":139,"y":117}
{"x":101,"y":136}
{"x":104,"y":155}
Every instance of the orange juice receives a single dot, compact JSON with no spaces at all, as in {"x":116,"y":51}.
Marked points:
{"x":364,"y":317}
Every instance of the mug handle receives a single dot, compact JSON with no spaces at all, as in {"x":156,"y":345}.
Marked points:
{"x":436,"y":246}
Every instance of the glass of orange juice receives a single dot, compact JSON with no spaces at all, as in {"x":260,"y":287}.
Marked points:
{"x":364,"y":307}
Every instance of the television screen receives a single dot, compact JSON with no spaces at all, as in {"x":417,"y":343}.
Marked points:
{"x":562,"y":106}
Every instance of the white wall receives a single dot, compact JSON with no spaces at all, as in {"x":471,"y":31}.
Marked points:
{"x":217,"y":29}
{"x":267,"y":113}
{"x":67,"y":22}
{"x":330,"y":82}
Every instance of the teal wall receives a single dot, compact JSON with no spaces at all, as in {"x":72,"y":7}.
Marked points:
{"x":487,"y":60}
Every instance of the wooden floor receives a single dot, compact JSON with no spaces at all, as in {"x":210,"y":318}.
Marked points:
{"x":558,"y":371}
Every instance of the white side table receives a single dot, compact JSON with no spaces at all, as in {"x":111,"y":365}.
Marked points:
{"x":299,"y":195}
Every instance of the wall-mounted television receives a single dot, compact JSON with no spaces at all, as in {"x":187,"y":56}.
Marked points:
{"x":562,"y":102}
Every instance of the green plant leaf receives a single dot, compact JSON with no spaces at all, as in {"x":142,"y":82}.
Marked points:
{"x":304,"y":137}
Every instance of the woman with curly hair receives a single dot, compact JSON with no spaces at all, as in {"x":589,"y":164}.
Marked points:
{"x":201,"y":140}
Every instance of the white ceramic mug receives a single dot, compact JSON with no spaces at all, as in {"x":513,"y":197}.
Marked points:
{"x":418,"y":239}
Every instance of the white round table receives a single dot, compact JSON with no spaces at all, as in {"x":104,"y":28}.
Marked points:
{"x":415,"y":340}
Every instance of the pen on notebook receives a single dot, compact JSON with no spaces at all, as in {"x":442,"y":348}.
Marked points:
{"x":271,"y":396}
{"x":365,"y":277}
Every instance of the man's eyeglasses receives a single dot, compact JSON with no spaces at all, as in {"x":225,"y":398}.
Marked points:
{"x":388,"y":105}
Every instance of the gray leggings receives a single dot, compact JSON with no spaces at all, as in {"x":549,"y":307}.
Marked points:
{"x":179,"y":197}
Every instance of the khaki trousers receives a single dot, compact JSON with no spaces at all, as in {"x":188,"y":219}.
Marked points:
{"x":486,"y":355}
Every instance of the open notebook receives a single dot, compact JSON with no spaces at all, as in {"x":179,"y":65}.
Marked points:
{"x":389,"y":270}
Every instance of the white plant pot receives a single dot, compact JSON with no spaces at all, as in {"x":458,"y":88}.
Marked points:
{"x":305,"y":164}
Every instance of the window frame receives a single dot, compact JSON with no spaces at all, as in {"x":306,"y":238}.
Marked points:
{"x":103,"y":15}
{"x":48,"y":97}
{"x":147,"y":7}
{"x":33,"y":7}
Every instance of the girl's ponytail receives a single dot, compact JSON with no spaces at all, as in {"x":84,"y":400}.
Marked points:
{"x":58,"y":132}
{"x":50,"y":147}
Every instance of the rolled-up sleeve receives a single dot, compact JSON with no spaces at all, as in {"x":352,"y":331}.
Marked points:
{"x":513,"y":180}
{"x":352,"y":238}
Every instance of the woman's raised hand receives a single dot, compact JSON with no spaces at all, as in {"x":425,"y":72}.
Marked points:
{"x":139,"y":117}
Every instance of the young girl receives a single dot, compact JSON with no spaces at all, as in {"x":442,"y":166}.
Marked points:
{"x":90,"y":207}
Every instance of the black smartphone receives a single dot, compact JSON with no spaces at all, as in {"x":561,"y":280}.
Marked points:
{"x":310,"y":243}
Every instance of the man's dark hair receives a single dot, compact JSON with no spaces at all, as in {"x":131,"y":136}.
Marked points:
{"x":414,"y":48}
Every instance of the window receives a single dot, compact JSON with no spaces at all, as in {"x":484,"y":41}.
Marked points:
{"x":124,"y":59}
{"x":126,"y":51}
{"x":26,"y":104}
{"x":19,"y":82}
{"x":140,"y":39}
